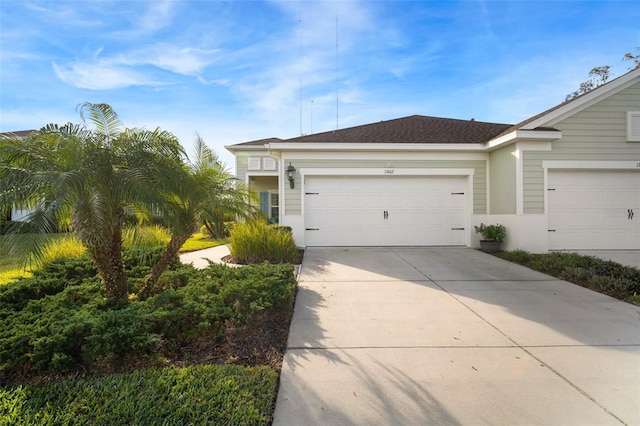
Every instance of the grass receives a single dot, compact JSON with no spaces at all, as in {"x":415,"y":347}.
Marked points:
{"x":203,"y":394}
{"x":10,"y":262}
{"x":64,"y":244}
{"x":199,"y":242}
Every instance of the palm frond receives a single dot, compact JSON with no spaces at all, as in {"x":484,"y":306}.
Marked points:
{"x":103,"y":117}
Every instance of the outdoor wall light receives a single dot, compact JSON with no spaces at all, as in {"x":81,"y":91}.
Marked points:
{"x":291,"y":175}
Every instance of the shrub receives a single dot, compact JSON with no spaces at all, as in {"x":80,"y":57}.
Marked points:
{"x":257,"y":288}
{"x":218,"y":294}
{"x":60,"y":318}
{"x":51,"y":279}
{"x":517,"y":256}
{"x":217,"y":230}
{"x":604,"y":276}
{"x":491,"y":232}
{"x":257,"y":242}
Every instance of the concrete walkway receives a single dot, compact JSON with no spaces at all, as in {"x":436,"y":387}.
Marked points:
{"x":200,"y":258}
{"x":453,"y":336}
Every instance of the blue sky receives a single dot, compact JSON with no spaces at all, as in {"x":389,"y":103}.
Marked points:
{"x":242,"y":70}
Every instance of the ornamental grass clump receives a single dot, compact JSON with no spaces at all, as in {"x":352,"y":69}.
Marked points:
{"x":257,"y":242}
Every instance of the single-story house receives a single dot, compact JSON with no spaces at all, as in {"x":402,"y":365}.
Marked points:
{"x":565,"y":179}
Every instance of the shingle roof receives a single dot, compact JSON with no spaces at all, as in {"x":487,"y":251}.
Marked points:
{"x":259,"y":142}
{"x":412,"y":129}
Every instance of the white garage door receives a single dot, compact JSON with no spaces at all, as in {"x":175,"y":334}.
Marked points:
{"x":594,"y":210}
{"x":384,"y":210}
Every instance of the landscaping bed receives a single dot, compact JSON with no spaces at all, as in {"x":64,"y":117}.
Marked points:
{"x":66,"y":352}
{"x":604,"y":276}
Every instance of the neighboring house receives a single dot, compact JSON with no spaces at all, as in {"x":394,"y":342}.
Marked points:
{"x":16,"y":213}
{"x":566,"y":179}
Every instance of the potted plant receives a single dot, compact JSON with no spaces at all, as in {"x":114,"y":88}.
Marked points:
{"x":492,"y":236}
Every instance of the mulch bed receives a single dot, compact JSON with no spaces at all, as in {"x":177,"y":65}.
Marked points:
{"x":263,"y":342}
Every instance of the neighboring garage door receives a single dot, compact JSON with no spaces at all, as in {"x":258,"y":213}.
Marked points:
{"x":384,"y":210}
{"x":594,"y":210}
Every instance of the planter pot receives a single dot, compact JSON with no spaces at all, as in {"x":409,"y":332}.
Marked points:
{"x":489,"y":246}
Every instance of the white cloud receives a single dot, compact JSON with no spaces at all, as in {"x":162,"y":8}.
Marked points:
{"x":180,"y":60}
{"x":104,"y":72}
{"x":158,"y":15}
{"x":99,"y":75}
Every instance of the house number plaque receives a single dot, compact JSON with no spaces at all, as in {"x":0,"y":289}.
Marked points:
{"x":389,"y":171}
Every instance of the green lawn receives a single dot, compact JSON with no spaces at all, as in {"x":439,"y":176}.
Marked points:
{"x":10,"y":264}
{"x":201,"y":394}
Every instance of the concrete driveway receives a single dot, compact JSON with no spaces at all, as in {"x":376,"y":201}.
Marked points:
{"x":410,"y":336}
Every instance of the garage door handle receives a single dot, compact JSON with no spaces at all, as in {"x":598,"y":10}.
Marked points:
{"x":630,"y":214}
{"x":385,"y":214}
{"x":551,"y":230}
{"x":311,"y":229}
{"x":457,"y":229}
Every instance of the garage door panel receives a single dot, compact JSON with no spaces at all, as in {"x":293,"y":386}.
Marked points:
{"x":351,"y":210}
{"x":589,"y":210}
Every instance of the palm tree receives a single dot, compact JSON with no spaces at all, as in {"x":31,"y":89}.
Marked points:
{"x":88,"y":178}
{"x":208,"y":191}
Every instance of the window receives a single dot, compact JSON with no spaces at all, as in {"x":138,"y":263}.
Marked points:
{"x":274,"y":205}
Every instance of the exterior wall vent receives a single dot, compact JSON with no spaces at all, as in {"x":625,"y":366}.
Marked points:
{"x":268,"y":164}
{"x":633,"y":126}
{"x":254,"y":163}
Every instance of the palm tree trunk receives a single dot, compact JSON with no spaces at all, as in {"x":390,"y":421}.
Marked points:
{"x":170,"y":252}
{"x":111,"y":268}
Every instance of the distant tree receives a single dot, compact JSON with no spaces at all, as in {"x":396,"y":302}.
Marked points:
{"x":633,"y":58}
{"x":600,"y":75}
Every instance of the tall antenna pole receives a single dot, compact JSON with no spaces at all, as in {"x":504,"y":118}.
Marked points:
{"x":300,"y":58}
{"x":337,"y":68}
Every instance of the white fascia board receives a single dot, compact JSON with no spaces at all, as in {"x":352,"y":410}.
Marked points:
{"x":389,"y":147}
{"x":252,"y":152}
{"x":384,"y":172}
{"x":255,"y":148}
{"x":521,"y":134}
{"x":586,"y":100}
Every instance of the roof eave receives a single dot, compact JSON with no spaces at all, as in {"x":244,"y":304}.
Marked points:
{"x":520,"y":135}
{"x":235,"y":148}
